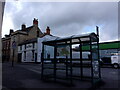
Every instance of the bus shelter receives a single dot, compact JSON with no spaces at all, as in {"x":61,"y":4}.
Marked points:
{"x":57,"y":58}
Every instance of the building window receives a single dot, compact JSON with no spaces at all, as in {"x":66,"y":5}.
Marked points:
{"x":5,"y":46}
{"x":8,"y":44}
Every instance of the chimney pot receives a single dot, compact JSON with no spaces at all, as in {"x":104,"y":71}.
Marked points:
{"x":23,"y":27}
{"x":35,"y":21}
{"x":11,"y":31}
{"x":48,"y":31}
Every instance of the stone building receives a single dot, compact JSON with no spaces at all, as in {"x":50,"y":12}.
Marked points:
{"x":19,"y":36}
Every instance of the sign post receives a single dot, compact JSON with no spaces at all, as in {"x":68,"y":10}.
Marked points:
{"x":13,"y":46}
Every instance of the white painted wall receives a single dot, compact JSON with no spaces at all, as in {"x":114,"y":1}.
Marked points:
{"x":29,"y":54}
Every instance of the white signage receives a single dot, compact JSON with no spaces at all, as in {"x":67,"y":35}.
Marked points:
{"x":63,"y":50}
{"x":29,"y":46}
{"x":95,"y":68}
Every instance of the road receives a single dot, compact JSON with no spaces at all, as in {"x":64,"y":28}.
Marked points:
{"x":27,"y":75}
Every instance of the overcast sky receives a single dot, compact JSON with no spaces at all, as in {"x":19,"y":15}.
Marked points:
{"x":64,"y":19}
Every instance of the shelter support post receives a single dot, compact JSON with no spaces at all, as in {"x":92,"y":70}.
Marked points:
{"x":66,"y":66}
{"x":42,"y":61}
{"x":71,"y":62}
{"x":99,"y":58}
{"x":55,"y":52}
{"x":91,"y":59}
{"x":81,"y":63}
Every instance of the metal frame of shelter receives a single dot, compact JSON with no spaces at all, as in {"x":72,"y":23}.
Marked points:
{"x":50,"y":69}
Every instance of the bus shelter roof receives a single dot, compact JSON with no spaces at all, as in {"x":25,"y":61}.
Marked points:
{"x":74,"y":39}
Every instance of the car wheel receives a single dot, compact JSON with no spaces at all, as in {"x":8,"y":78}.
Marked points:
{"x":115,"y":65}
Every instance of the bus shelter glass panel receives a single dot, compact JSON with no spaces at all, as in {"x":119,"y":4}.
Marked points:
{"x":48,"y":52}
{"x":48,"y":56}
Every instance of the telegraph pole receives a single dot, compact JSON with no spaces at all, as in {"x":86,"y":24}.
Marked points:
{"x":97,"y":30}
{"x":13,"y":59}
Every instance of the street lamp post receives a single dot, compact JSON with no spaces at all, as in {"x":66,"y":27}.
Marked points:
{"x":13,"y":59}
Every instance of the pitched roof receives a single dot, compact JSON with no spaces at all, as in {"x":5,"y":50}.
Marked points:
{"x":75,"y":38}
{"x":32,"y":40}
{"x":25,"y":32}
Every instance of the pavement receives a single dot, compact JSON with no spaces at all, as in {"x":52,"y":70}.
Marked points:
{"x":28,"y":76}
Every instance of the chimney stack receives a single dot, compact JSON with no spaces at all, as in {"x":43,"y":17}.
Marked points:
{"x":23,"y":26}
{"x":11,"y":31}
{"x":35,"y":22}
{"x":48,"y":30}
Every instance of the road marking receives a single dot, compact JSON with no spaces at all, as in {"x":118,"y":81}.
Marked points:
{"x":35,"y":71}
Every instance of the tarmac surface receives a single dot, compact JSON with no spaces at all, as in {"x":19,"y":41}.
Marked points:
{"x":28,"y":76}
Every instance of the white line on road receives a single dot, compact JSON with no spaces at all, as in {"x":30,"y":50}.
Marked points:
{"x":35,"y":71}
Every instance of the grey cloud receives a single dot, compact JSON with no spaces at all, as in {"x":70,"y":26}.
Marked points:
{"x":69,"y":18}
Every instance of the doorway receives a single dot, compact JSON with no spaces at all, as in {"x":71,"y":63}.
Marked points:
{"x":19,"y":57}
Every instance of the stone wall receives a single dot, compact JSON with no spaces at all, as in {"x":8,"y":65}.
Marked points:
{"x":19,"y":38}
